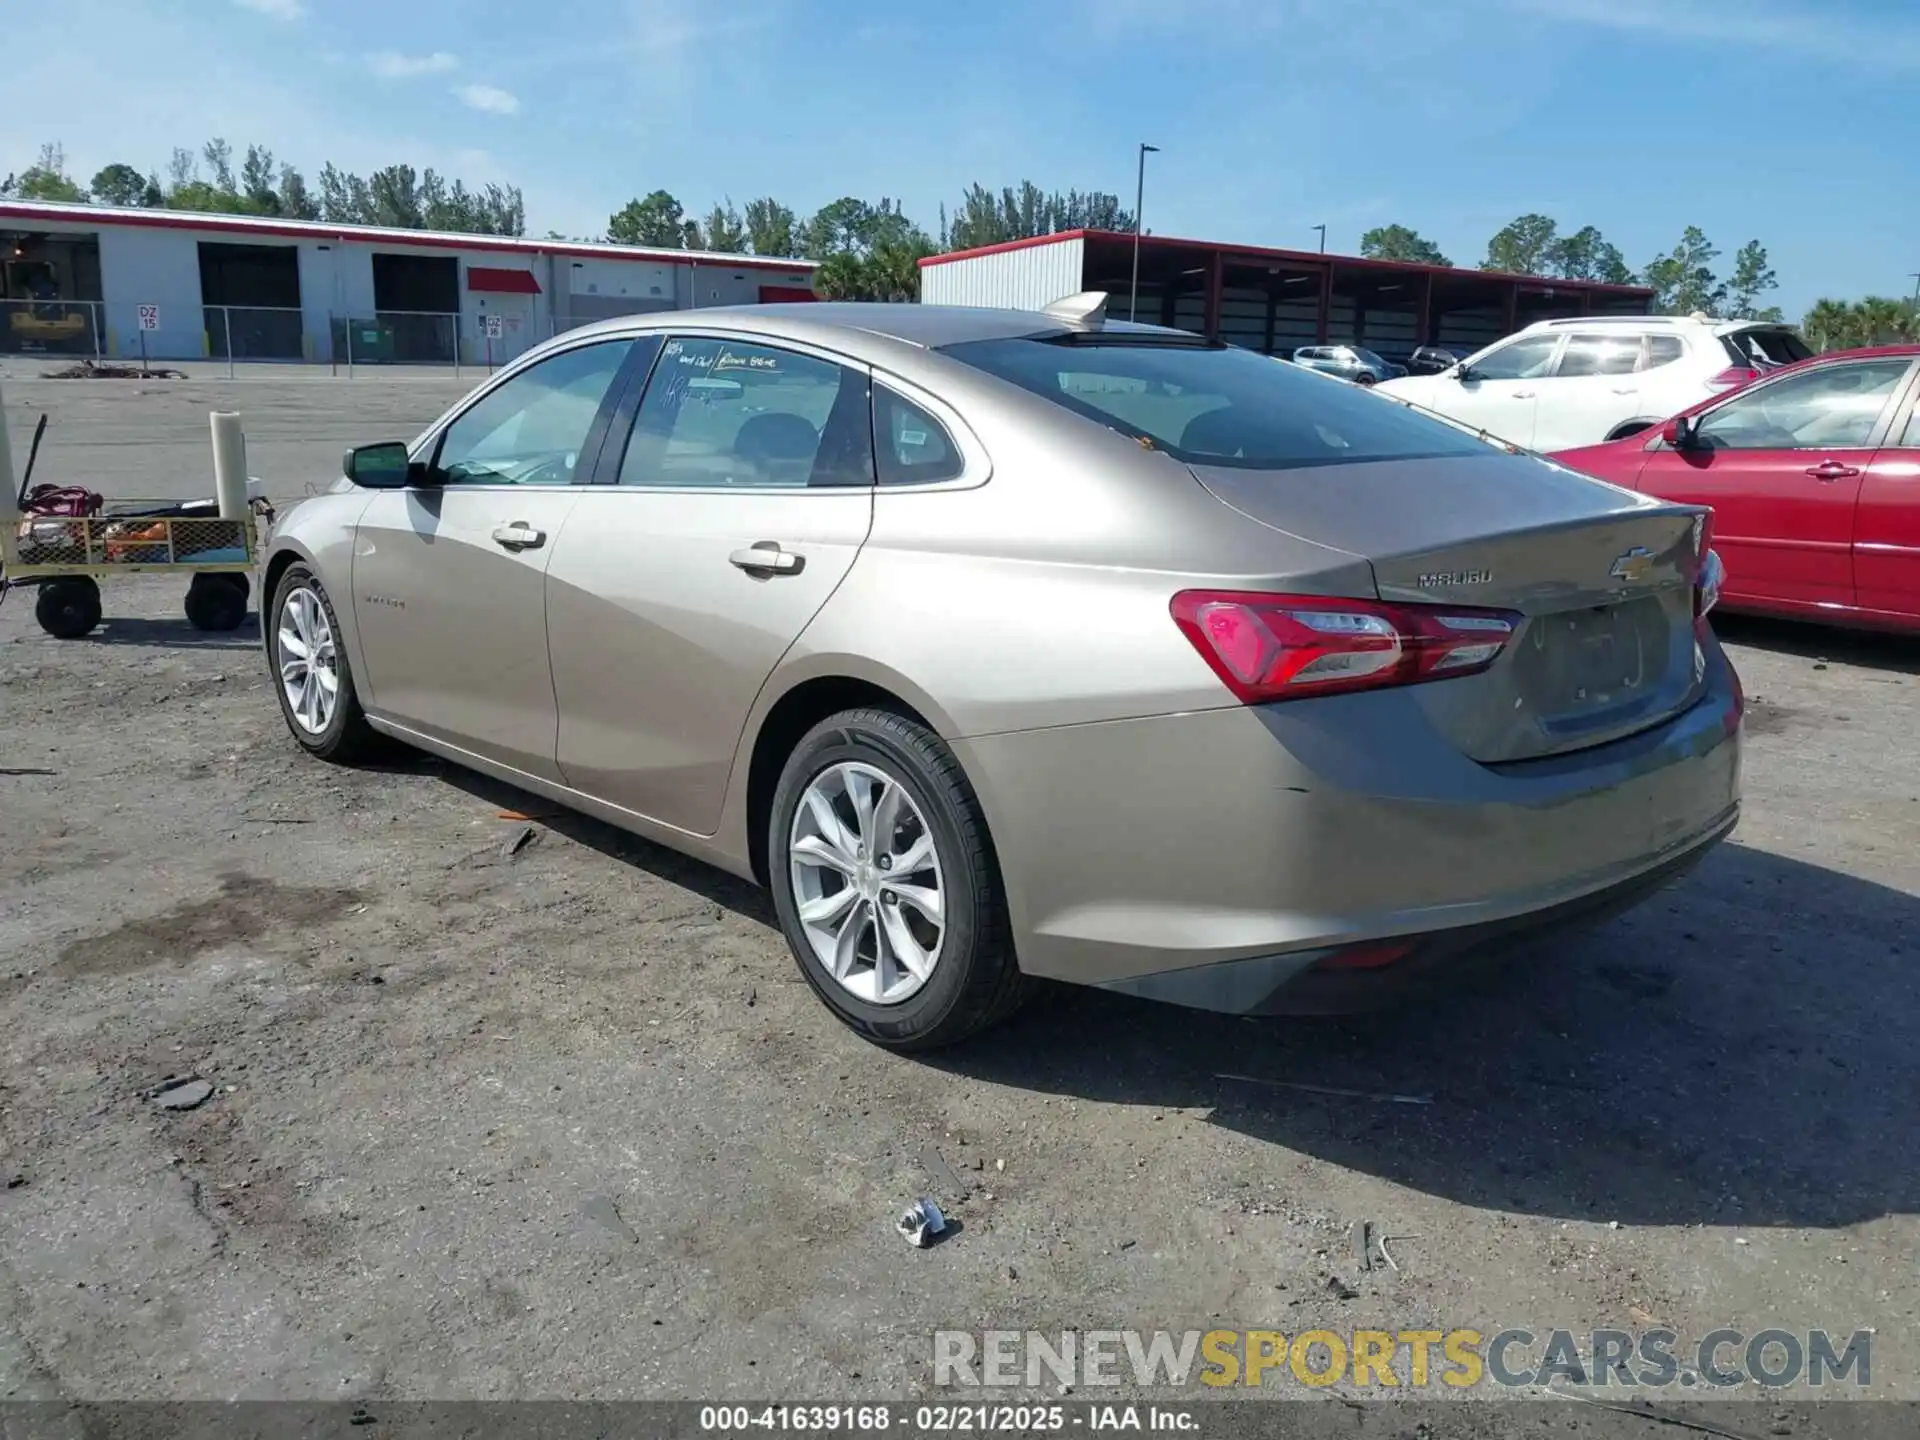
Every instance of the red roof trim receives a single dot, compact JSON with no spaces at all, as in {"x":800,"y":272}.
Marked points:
{"x":502,"y":282}
{"x":375,"y":235}
{"x":1026,"y":244}
{"x":1307,"y":259}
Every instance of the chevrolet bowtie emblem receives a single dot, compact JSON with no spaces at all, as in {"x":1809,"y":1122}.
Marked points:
{"x":1633,"y":565}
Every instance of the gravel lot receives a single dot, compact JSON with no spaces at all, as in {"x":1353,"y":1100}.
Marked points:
{"x":563,"y":1121}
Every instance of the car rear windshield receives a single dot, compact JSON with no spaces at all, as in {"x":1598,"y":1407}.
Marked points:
{"x":1217,"y":405}
{"x":1766,"y":348}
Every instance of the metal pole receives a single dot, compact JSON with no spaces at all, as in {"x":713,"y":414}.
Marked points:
{"x":455,"y":319}
{"x":349,"y":347}
{"x":1139,"y":208}
{"x":9,"y":497}
{"x":99,"y":324}
{"x":1323,"y":238}
{"x":226,"y":313}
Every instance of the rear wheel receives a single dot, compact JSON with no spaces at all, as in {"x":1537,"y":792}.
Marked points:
{"x":68,"y":609}
{"x":311,"y":674}
{"x":886,"y":886}
{"x":217,"y":601}
{"x":1365,"y":377}
{"x":1631,"y":427}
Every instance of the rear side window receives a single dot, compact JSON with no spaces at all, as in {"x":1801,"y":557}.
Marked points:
{"x":1663,"y":350}
{"x":1765,"y":349}
{"x":728,"y":413}
{"x":910,"y":447}
{"x":1599,"y":355}
{"x":1216,"y":405}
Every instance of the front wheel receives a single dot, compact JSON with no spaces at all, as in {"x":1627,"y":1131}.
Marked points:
{"x":886,"y":886}
{"x":310,"y":672}
{"x":1364,"y":378}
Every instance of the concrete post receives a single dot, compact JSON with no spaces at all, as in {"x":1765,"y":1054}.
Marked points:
{"x":9,"y":485}
{"x":229,"y":464}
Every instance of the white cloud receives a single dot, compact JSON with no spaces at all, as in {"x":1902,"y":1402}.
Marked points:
{"x":278,"y":9}
{"x":1818,"y":34}
{"x":490,"y":98}
{"x":392,"y":65}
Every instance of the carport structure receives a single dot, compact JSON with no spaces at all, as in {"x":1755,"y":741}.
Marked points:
{"x":1267,"y":299}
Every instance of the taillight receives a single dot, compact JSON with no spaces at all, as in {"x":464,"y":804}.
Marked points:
{"x":1278,"y":647}
{"x":1733,"y":377}
{"x":1708,"y":573}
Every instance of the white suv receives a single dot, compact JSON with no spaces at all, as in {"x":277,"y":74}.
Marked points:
{"x":1563,"y":383}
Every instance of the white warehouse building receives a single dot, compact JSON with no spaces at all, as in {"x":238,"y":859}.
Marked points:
{"x":99,"y":281}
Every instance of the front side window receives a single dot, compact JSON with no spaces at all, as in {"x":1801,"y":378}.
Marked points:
{"x":1833,"y":407}
{"x":910,"y":447}
{"x":530,"y":430}
{"x":1599,"y":355}
{"x":1525,"y":359}
{"x":729,"y":413}
{"x":1215,"y":405}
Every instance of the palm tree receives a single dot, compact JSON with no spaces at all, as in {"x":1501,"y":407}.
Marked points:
{"x":1829,"y":325}
{"x":1882,"y":321}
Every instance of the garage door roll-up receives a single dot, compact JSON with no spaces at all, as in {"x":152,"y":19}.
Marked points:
{"x":502,"y":282}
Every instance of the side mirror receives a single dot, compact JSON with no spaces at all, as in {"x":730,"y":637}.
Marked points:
{"x":386,"y":466}
{"x":1463,"y":372}
{"x":1679,"y":432}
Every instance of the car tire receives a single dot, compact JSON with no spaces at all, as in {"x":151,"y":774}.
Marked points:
{"x":217,"y":601}
{"x":68,"y":609}
{"x":972,"y":980}
{"x":302,"y":617}
{"x":1630,"y":427}
{"x":1364,"y":378}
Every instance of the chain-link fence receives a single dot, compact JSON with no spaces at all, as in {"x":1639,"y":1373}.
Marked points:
{"x":396,"y":337}
{"x":52,"y":327}
{"x":255,"y":332}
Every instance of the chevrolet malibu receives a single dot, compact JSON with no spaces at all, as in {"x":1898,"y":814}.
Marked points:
{"x":1003,"y":645}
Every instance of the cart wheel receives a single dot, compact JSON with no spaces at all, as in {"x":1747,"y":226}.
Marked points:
{"x":68,"y":609}
{"x":217,"y":601}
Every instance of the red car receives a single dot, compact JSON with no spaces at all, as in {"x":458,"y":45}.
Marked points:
{"x":1813,"y":473}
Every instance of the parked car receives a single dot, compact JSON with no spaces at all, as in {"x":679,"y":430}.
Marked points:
{"x":1349,"y":362}
{"x":1813,"y":474}
{"x":1001,"y":645}
{"x":1598,"y":377}
{"x":1433,"y":360}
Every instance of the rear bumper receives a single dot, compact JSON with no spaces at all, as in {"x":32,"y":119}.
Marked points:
{"x":1214,"y":858}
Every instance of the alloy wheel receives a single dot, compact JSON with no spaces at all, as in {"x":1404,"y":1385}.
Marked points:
{"x":309,"y":663}
{"x":867,"y":883}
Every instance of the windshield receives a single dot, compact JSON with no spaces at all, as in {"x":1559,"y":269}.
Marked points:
{"x":1215,"y":405}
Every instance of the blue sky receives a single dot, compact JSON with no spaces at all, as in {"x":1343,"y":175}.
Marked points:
{"x":1792,"y":121}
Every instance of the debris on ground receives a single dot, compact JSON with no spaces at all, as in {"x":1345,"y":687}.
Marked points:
{"x":1343,"y":1092}
{"x":181,"y":1092}
{"x":1363,"y":1244}
{"x":1340,"y":1290}
{"x":16,"y":1180}
{"x":522,"y":838}
{"x":1387,"y":1255}
{"x":88,"y":370}
{"x":943,"y":1174}
{"x":601,"y":1210}
{"x":922,"y":1223}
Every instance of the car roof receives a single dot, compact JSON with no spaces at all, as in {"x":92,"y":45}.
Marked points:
{"x":844,"y":324}
{"x":1653,"y":322}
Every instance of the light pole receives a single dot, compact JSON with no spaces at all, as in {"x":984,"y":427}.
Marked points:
{"x":1139,"y":204}
{"x":1323,"y":238}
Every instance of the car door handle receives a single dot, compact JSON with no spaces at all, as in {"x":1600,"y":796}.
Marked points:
{"x":1629,"y":390}
{"x":1833,"y":470}
{"x":766,"y":558}
{"x":519,"y":536}
{"x":1523,"y":394}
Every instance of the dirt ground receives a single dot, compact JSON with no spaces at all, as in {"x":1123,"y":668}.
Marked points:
{"x":563,"y":1121}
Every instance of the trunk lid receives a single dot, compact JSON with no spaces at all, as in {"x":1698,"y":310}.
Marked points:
{"x":1602,"y":577}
